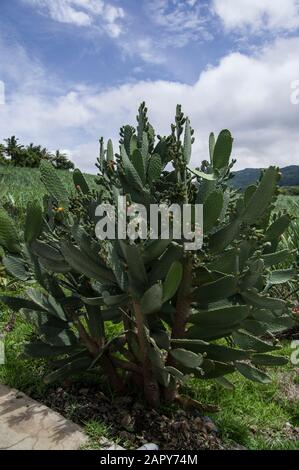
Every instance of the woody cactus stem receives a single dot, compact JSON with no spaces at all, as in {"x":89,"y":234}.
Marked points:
{"x":110,"y":371}
{"x":90,"y":344}
{"x":183,"y":306}
{"x":180,"y":321}
{"x":105,"y":362}
{"x":150,"y":384}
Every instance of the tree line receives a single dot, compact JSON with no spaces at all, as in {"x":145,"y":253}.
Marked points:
{"x":15,"y":154}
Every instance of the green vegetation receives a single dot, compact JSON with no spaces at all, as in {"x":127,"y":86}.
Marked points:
{"x":18,"y":186}
{"x":171,"y":304}
{"x":31,"y":156}
{"x":290,"y":190}
{"x":148,"y":312}
{"x":289,"y":182}
{"x":252,"y":415}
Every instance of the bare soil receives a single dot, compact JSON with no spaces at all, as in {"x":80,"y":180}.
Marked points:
{"x":132,"y":423}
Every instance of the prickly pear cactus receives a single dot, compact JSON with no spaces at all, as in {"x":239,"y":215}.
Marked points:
{"x":208,"y":313}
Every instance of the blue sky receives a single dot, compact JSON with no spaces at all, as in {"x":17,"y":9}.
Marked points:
{"x":76,"y":69}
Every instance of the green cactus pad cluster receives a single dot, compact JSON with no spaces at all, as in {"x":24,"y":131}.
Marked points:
{"x":208,"y":313}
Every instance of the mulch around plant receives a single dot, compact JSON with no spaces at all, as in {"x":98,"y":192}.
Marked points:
{"x":132,"y":423}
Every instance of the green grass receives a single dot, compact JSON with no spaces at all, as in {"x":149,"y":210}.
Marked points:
{"x":253,"y":415}
{"x":20,"y":185}
{"x":18,"y":372}
{"x":290,"y":204}
{"x":96,"y":431}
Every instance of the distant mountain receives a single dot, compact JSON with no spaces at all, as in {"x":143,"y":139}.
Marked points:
{"x":243,"y":178}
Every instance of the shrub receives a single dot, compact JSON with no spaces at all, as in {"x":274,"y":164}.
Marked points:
{"x":178,"y":312}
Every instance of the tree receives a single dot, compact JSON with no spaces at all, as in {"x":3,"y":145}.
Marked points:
{"x":31,"y":156}
{"x":14,"y":151}
{"x":61,"y":161}
{"x":3,"y":160}
{"x":34,"y":154}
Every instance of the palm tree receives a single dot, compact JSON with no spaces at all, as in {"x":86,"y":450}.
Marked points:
{"x":61,"y":161}
{"x":3,"y":160}
{"x":14,"y":151}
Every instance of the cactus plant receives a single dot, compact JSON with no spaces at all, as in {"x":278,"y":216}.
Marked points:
{"x":205,"y":312}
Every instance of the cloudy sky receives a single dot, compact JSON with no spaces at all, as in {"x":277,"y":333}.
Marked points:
{"x":75,"y":70}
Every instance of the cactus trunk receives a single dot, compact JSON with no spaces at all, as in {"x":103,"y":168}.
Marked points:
{"x":150,"y":384}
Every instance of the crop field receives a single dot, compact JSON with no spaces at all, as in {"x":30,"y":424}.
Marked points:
{"x":20,"y":185}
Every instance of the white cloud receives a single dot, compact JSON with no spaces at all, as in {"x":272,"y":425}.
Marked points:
{"x":181,"y":21}
{"x":174,"y":24}
{"x":258,"y":15}
{"x":144,"y":47}
{"x":248,"y":94}
{"x":111,"y":13}
{"x":82,"y":13}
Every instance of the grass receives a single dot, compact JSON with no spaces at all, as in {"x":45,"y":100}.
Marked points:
{"x":18,"y":372}
{"x":96,"y":432}
{"x":25,"y":183}
{"x":20,"y":185}
{"x":252,"y":415}
{"x":291,"y":237}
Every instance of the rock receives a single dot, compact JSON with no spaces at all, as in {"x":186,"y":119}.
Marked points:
{"x":149,"y":447}
{"x":210,"y":426}
{"x":198,"y":422}
{"x":128,"y":423}
{"x":238,"y":447}
{"x":108,"y":445}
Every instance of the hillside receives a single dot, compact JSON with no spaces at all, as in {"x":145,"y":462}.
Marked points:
{"x":248,"y":176}
{"x":19,"y":185}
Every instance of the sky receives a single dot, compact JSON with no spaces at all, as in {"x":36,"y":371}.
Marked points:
{"x":76,"y":70}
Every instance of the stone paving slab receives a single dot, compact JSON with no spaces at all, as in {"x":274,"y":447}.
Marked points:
{"x":27,"y":425}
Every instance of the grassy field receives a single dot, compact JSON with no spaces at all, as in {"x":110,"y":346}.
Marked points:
{"x":254,"y":416}
{"x":20,"y":185}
